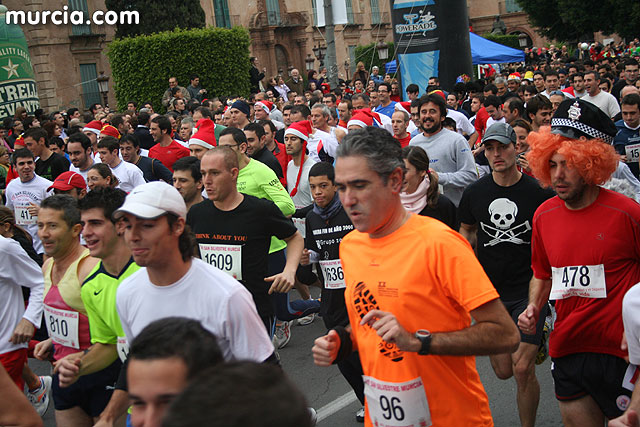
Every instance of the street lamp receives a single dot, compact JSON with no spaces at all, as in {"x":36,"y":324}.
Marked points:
{"x":346,"y":68}
{"x":523,"y":40}
{"x":308,"y":62}
{"x":383,"y":50}
{"x":103,"y":87}
{"x":319,"y":52}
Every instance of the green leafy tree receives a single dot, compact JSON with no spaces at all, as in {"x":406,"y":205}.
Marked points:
{"x":368,"y":54}
{"x":569,"y":20}
{"x":158,"y":15}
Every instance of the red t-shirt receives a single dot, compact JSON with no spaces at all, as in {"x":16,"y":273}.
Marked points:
{"x":606,"y":232}
{"x":481,"y":122}
{"x":283,"y":158}
{"x":404,"y":141}
{"x":170,"y":154}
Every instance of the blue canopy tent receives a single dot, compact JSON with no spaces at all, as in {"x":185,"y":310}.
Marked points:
{"x":483,"y":51}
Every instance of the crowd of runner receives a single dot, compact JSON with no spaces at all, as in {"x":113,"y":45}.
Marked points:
{"x":150,"y":257}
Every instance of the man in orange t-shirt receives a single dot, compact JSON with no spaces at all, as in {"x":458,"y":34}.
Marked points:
{"x":412,"y":285}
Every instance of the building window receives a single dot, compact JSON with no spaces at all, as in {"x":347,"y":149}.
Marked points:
{"x":375,"y":12}
{"x":273,"y":12}
{"x":221,"y":10}
{"x":513,"y":6}
{"x":315,"y":13}
{"x":80,"y":6}
{"x":349,"y":12}
{"x":90,"y":91}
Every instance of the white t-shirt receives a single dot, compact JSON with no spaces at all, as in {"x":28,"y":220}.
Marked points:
{"x":631,"y":318}
{"x":490,"y":121}
{"x":129,"y":176}
{"x":17,"y":270}
{"x":463,"y":125}
{"x":220,"y":303}
{"x":303,"y":198}
{"x":604,"y":101}
{"x":20,"y":195}
{"x":314,"y":140}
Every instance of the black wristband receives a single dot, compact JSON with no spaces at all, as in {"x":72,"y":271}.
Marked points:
{"x":346,"y":346}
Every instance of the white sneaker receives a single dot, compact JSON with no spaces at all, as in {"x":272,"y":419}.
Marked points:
{"x":313,"y":415}
{"x":306,"y":320}
{"x":39,"y":397}
{"x":360,"y":415}
{"x":283,"y":334}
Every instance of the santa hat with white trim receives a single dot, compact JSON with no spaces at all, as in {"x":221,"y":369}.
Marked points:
{"x":94,"y":126}
{"x":403,"y":106}
{"x":301,"y":129}
{"x":365,"y":117}
{"x":205,"y":136}
{"x":267,"y":106}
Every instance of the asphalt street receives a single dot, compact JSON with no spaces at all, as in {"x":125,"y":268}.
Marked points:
{"x":326,"y":390}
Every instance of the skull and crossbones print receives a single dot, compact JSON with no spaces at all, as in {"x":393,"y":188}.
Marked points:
{"x":502,"y":213}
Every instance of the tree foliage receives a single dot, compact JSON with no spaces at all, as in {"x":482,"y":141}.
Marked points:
{"x":571,"y":21}
{"x":158,"y":15}
{"x":510,"y":40}
{"x":141,"y":65}
{"x":368,"y":54}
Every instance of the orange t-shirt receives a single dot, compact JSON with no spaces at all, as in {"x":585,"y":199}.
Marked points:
{"x":428,"y":276}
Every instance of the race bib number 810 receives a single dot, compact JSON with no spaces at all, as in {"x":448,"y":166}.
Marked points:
{"x":585,"y":281}
{"x":62,"y":326}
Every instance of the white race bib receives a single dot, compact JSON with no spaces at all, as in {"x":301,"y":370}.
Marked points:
{"x":585,"y":281}
{"x":62,"y":326}
{"x":633,"y":152}
{"x":227,"y":258}
{"x":23,"y":217}
{"x":397,"y":404}
{"x":333,"y":275}
{"x":123,"y":348}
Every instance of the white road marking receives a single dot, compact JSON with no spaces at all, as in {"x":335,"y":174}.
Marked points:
{"x":331,"y":408}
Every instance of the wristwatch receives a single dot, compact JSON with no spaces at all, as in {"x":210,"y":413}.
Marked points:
{"x":425,"y":338}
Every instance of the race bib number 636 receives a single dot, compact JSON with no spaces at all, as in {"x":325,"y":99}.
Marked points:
{"x":585,"y":281}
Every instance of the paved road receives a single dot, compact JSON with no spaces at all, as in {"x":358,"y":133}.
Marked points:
{"x":331,"y":396}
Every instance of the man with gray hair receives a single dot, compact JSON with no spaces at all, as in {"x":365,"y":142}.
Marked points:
{"x":325,"y":138}
{"x":501,"y":83}
{"x":186,"y":128}
{"x":392,"y":337}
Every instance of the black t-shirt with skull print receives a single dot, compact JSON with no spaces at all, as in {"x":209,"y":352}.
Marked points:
{"x":504,"y":218}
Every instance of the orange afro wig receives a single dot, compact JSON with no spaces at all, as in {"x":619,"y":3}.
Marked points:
{"x":593,"y":158}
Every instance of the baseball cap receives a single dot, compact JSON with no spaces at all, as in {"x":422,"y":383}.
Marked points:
{"x":501,"y":132}
{"x":68,"y":180}
{"x":575,"y":118}
{"x":151,"y":200}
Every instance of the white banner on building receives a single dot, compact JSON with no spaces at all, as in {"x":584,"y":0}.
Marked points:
{"x":339,"y":12}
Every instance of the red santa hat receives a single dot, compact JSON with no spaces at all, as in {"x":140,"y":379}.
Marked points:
{"x":302,"y":130}
{"x":109,"y":131}
{"x":365,"y":117}
{"x":267,"y":106}
{"x":403,"y":106}
{"x":94,"y":126}
{"x":205,"y":136}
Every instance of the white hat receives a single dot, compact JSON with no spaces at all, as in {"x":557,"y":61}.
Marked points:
{"x":151,"y":200}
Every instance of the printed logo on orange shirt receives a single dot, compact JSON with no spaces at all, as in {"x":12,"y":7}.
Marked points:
{"x":364,"y":302}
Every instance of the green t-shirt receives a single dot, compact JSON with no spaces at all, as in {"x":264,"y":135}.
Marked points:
{"x":258,"y":180}
{"x":99,"y":297}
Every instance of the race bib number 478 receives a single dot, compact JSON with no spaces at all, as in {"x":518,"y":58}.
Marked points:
{"x":585,"y":281}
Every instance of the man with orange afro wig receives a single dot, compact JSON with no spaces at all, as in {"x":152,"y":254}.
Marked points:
{"x":585,"y":256}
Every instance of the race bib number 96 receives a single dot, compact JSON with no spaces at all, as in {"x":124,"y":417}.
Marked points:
{"x":227,"y":258}
{"x":585,"y":281}
{"x":397,"y":404}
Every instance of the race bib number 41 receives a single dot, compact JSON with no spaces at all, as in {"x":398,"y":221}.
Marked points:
{"x":227,"y":258}
{"x":585,"y":281}
{"x":23,"y":217}
{"x":62,"y":326}
{"x":397,"y":404}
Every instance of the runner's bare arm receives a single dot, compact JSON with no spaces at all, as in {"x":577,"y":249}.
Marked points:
{"x":493,"y":333}
{"x":15,"y":409}
{"x":283,"y":282}
{"x":70,"y":368}
{"x":469,"y":232}
{"x":538,"y":296}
